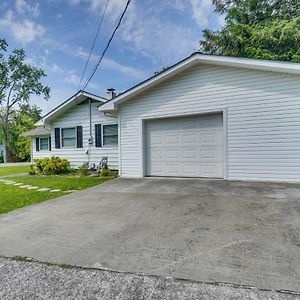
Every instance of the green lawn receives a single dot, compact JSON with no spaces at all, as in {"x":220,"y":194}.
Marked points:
{"x":4,"y":171}
{"x":13,"y":197}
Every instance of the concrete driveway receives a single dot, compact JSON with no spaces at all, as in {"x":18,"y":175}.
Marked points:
{"x":206,"y":230}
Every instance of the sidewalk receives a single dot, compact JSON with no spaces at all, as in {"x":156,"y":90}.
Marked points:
{"x":15,"y":164}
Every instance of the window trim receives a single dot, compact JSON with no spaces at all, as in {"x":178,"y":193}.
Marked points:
{"x":40,"y":142}
{"x":61,"y":138}
{"x":102,"y":137}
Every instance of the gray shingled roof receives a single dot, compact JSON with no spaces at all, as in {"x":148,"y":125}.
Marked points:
{"x":40,"y":130}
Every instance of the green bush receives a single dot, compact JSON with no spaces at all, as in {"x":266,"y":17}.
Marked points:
{"x":32,"y":170}
{"x":84,"y":169}
{"x":108,"y":173}
{"x":52,"y":165}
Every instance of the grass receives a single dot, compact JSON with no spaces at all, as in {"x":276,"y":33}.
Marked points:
{"x":13,"y":197}
{"x":4,"y":171}
{"x":63,"y":183}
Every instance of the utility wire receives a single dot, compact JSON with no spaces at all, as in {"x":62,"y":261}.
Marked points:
{"x":107,"y":46}
{"x":94,"y":42}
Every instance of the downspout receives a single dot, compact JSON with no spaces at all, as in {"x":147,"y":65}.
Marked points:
{"x":90,"y":141}
{"x":90,"y":108}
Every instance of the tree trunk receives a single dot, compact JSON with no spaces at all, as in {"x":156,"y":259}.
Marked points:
{"x":6,"y":152}
{"x":5,"y":146}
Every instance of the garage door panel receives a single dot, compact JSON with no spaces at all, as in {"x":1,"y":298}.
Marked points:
{"x":188,"y":147}
{"x":190,"y":138}
{"x":171,"y":139}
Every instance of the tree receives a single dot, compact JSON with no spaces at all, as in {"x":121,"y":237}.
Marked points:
{"x":257,"y":11}
{"x":18,"y":81}
{"x":21,"y":121}
{"x":265,"y":29}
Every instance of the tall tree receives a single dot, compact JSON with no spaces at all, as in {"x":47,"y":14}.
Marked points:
{"x":18,"y":81}
{"x":22,"y":120}
{"x":266,"y":29}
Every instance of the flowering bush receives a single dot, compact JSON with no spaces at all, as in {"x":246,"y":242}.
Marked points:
{"x":52,"y":165}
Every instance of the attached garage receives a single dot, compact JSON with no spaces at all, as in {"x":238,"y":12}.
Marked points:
{"x":185,"y":146}
{"x":215,"y":117}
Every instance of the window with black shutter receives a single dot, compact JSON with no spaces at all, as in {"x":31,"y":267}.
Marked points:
{"x":110,"y":135}
{"x":79,"y":137}
{"x":57,"y":137}
{"x":50,"y":143}
{"x":98,"y":142}
{"x":37,"y":144}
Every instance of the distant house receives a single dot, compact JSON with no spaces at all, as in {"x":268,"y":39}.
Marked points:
{"x":77,"y":131}
{"x":212,"y":116}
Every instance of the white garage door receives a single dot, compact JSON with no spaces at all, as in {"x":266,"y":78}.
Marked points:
{"x":185,"y":147}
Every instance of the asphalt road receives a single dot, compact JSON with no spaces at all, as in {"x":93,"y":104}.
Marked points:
{"x":34,"y":280}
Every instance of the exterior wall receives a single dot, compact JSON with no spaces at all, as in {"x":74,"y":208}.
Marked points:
{"x":262,"y":119}
{"x":77,"y":116}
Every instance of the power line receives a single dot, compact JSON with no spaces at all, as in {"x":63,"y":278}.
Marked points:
{"x":94,"y":42}
{"x":107,"y":46}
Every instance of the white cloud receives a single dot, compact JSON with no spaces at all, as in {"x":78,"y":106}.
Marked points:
{"x":202,"y":10}
{"x":110,"y":64}
{"x":56,"y":69}
{"x":73,"y":78}
{"x":156,"y":37}
{"x":147,"y":29}
{"x":23,"y":7}
{"x":24,"y":31}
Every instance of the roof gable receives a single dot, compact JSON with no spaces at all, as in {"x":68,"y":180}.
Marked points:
{"x":78,"y":98}
{"x":197,"y":58}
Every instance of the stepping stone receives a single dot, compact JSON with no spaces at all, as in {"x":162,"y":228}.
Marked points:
{"x":43,"y":190}
{"x":18,"y":183}
{"x":33,"y":188}
{"x":70,"y":191}
{"x":8,"y":182}
{"x":54,"y":191}
{"x":24,"y":186}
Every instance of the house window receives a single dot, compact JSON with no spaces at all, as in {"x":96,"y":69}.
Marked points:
{"x":44,"y":143}
{"x":110,"y":135}
{"x":68,"y":137}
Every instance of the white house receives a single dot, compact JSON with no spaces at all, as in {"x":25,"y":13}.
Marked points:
{"x":77,"y":131}
{"x":212,"y":116}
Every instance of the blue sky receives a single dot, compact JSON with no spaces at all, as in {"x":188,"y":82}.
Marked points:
{"x":57,"y":36}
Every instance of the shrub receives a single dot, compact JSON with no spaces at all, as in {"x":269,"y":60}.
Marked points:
{"x":84,"y":169}
{"x":32,"y":170}
{"x":52,"y":165}
{"x":108,"y":173}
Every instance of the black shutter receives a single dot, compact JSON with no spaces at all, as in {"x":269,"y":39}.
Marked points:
{"x":49,"y":144}
{"x":79,"y":137}
{"x":57,"y":137}
{"x":37,"y":144}
{"x":98,"y":142}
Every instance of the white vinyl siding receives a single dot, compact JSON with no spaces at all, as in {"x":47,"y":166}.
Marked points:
{"x":263,"y":118}
{"x":79,"y":116}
